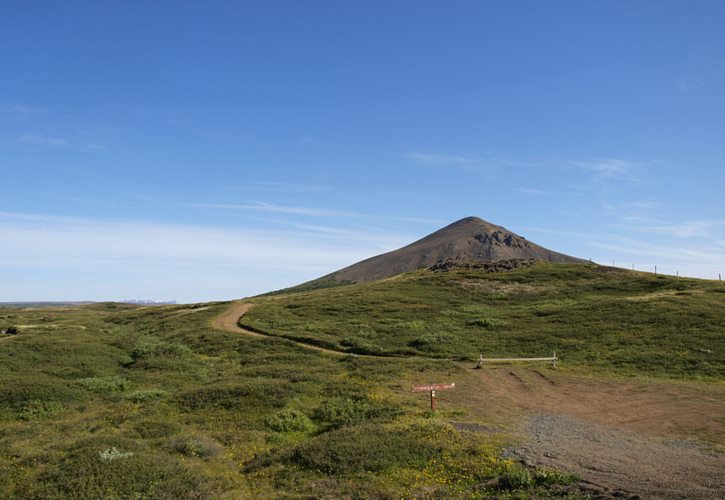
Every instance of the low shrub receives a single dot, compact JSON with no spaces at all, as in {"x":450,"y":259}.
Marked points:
{"x":264,"y":392}
{"x":114,"y":468}
{"x":361,"y":346}
{"x":154,"y":347}
{"x":341,"y":412}
{"x":141,"y":396}
{"x":40,"y":409}
{"x":20,"y":393}
{"x":153,"y":429}
{"x":366,"y":448}
{"x":201,"y":447}
{"x":431,"y":341}
{"x":483,"y":322}
{"x":105,"y":385}
{"x":515,"y":477}
{"x":290,"y":420}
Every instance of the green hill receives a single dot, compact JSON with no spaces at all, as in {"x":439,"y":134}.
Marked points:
{"x":120,"y":401}
{"x":596,"y":317}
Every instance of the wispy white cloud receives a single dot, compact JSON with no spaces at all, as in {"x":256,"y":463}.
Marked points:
{"x":20,"y":111}
{"x":689,"y":258}
{"x":42,"y":140}
{"x":290,"y":187}
{"x":603,"y":169}
{"x":532,"y":191}
{"x":688,"y":229}
{"x":57,"y":141}
{"x":468,"y":162}
{"x":148,"y":259}
{"x":258,"y":206}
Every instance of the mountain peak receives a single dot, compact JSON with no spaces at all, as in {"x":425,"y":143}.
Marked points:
{"x":470,"y":239}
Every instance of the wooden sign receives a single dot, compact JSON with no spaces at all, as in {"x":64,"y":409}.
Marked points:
{"x":432,"y":388}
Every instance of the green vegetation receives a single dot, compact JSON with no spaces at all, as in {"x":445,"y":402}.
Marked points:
{"x":120,"y":401}
{"x":605,"y":319}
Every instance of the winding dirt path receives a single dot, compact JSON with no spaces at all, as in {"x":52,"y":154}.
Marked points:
{"x":229,"y":322}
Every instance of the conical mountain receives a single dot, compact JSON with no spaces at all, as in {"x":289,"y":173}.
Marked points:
{"x":469,"y":240}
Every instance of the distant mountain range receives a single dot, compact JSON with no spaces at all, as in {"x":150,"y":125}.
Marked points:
{"x":468,"y":240}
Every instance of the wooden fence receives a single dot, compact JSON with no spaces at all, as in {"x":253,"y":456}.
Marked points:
{"x":482,"y":360}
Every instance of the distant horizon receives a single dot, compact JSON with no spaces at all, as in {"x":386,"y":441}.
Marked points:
{"x":226,"y":150}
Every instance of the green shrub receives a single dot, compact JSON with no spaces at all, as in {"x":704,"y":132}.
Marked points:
{"x":361,"y":346}
{"x":515,"y":477}
{"x":543,"y":477}
{"x":153,"y":429}
{"x":105,"y":385}
{"x":431,"y":341}
{"x":201,"y":447}
{"x":253,"y":393}
{"x":155,"y":347}
{"x":340,"y":412}
{"x":40,"y":409}
{"x":483,"y":322}
{"x":20,"y":393}
{"x":289,"y":420}
{"x":366,"y":448}
{"x":114,"y":468}
{"x":144,"y":395}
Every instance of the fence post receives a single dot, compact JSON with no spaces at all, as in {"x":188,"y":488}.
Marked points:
{"x":553,"y":361}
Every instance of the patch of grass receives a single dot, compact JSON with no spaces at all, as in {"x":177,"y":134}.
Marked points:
{"x":105,"y":385}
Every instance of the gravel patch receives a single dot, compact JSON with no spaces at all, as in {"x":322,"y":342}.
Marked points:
{"x":621,"y":464}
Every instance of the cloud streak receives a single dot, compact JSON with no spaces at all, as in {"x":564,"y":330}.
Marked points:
{"x":116,"y":258}
{"x":605,"y":169}
{"x":259,"y":206}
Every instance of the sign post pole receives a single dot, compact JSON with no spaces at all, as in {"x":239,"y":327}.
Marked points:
{"x":432,"y":388}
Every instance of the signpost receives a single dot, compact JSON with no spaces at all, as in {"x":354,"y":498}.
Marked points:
{"x":432,"y":388}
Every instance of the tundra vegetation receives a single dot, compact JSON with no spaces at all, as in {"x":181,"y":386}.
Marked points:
{"x":122,"y":401}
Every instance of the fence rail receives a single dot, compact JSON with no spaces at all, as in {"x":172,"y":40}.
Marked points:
{"x":482,"y":360}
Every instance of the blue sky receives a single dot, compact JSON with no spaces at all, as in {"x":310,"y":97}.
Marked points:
{"x":212,"y":150}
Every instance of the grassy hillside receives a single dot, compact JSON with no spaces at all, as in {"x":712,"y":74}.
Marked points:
{"x":115,"y":401}
{"x":601,"y":318}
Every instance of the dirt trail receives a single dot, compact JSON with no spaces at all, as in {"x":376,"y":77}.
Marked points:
{"x":640,"y":436}
{"x":229,"y":321}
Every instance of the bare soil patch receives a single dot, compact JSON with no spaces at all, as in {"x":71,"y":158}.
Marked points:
{"x":653,"y":438}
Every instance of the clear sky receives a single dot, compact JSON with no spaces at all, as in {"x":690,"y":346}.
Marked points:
{"x":212,"y":150}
